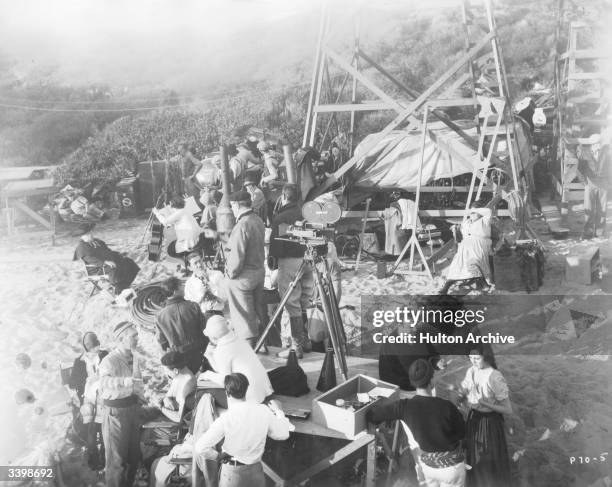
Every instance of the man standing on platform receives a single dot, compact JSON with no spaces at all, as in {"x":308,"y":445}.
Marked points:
{"x":121,"y":387}
{"x":289,"y":256}
{"x":245,"y":269}
{"x":180,"y":325}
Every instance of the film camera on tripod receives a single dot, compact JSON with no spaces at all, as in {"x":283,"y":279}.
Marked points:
{"x":302,"y":250}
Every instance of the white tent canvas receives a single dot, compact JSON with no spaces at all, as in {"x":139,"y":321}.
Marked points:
{"x":394,"y":161}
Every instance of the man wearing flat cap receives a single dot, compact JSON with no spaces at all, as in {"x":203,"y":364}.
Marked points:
{"x":244,"y":268}
{"x":121,"y":387}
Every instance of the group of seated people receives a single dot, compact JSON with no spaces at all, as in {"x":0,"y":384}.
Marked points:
{"x":198,"y":353}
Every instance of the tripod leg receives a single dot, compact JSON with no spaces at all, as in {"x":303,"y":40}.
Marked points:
{"x":334,"y":302}
{"x":331,"y":324}
{"x":281,"y":305}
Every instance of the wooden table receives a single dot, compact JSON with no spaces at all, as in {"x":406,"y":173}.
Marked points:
{"x":311,"y":364}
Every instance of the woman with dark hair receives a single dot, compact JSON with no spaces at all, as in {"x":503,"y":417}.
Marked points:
{"x":486,"y":392}
{"x":185,"y":225}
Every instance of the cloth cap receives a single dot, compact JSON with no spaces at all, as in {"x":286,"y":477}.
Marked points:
{"x":420,"y":373}
{"x":240,"y":196}
{"x":263,"y":146}
{"x":121,"y":328}
{"x":216,"y":327}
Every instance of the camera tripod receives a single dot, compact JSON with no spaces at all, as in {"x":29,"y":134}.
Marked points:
{"x":327,"y":297}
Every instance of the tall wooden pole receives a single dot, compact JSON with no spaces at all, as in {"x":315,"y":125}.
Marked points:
{"x":292,"y":176}
{"x":225,"y":217}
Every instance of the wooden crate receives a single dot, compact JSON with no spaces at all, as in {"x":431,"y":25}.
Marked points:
{"x":581,"y":265}
{"x":351,"y":423}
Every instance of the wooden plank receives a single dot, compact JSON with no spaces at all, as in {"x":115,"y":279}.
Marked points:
{"x":586,"y":76}
{"x":277,"y":479}
{"x":359,"y":442}
{"x":23,"y":192}
{"x":18,"y":205}
{"x":431,"y":213}
{"x":585,"y":54}
{"x":415,"y":105}
{"x":451,"y":102}
{"x":431,"y":260}
{"x":354,"y":107}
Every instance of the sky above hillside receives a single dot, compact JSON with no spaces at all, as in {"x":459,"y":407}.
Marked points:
{"x":168,"y":43}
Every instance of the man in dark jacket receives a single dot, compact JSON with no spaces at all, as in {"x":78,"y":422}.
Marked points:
{"x":121,"y":270}
{"x":245,"y":269}
{"x":180,"y":326}
{"x":289,"y":257}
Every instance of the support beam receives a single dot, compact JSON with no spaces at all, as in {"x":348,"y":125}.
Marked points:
{"x":364,"y":80}
{"x":354,"y":107}
{"x":415,"y":105}
{"x":585,"y":54}
{"x":18,"y":205}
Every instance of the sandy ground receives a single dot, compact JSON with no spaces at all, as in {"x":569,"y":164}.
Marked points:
{"x":45,"y":312}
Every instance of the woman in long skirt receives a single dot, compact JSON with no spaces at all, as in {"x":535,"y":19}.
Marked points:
{"x":486,"y":392}
{"x":471,"y":262}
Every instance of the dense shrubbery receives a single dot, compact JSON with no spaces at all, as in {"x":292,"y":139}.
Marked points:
{"x":117,"y":149}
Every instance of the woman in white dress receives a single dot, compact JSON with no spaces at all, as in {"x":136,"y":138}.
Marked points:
{"x":472,"y":258}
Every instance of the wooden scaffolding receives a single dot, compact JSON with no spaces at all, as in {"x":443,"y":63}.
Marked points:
{"x":581,"y":100}
{"x":481,"y":68}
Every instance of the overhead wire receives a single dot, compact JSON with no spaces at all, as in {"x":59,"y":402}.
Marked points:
{"x":210,"y":101}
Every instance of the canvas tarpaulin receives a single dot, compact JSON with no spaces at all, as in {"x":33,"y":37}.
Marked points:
{"x":394,"y":162}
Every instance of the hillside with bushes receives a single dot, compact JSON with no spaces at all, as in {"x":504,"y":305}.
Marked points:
{"x":128,"y":128}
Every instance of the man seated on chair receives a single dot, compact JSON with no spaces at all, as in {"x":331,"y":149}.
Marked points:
{"x":100,"y":260}
{"x":228,"y":354}
{"x":180,"y":324}
{"x":198,"y":289}
{"x":244,"y":429}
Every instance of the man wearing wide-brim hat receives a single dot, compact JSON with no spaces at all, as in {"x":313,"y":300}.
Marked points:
{"x":244,"y":268}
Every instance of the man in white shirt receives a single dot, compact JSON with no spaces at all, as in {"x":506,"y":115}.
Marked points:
{"x":229,"y":354}
{"x":245,"y":427}
{"x":121,"y":387}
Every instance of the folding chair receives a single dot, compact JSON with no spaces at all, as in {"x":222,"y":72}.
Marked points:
{"x":97,"y":275}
